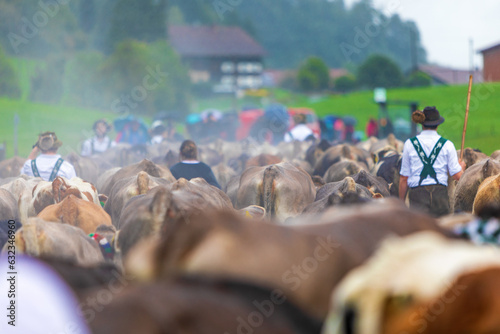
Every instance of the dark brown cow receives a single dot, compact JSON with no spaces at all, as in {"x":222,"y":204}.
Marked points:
{"x":466,"y":188}
{"x":375,"y":184}
{"x":283,"y":190}
{"x":203,"y":306}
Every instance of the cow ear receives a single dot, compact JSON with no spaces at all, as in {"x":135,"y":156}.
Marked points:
{"x":377,"y":195}
{"x":253,"y":211}
{"x":103,"y":199}
{"x":160,"y":204}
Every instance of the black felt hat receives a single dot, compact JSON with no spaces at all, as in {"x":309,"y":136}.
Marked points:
{"x":428,"y":117}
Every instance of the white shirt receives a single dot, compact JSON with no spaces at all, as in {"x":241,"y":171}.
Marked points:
{"x":299,"y":132}
{"x":446,"y":162}
{"x":43,"y":302}
{"x":45,"y":164}
{"x":157,"y":139}
{"x":94,"y":145}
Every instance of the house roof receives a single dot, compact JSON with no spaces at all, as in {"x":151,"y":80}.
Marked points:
{"x":490,"y":48}
{"x":450,"y":76}
{"x":213,"y":41}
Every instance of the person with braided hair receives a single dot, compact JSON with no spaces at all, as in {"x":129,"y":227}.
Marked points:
{"x":48,"y":165}
{"x":427,"y":161}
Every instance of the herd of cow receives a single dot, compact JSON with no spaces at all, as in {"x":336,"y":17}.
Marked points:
{"x":302,"y":238}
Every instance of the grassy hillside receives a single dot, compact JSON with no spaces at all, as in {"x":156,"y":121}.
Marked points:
{"x":483,"y":131}
{"x":72,"y":125}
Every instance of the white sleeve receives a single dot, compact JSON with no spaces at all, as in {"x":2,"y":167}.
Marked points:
{"x":86,"y":148}
{"x":405,"y":160}
{"x":26,"y":169}
{"x":453,"y":165}
{"x":287,"y":138}
{"x":67,"y":170}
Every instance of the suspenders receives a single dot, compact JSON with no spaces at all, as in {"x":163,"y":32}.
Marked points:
{"x":53,"y":175}
{"x":428,"y":162}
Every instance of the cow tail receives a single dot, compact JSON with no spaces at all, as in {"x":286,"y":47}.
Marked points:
{"x":268,"y":194}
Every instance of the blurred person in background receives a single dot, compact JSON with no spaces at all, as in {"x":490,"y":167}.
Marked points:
{"x":300,"y":132}
{"x":133,"y":133}
{"x":190,"y":168}
{"x":100,"y":142}
{"x":44,"y":161}
{"x":158,"y":132}
{"x":372,"y":128}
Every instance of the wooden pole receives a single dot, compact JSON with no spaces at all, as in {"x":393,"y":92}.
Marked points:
{"x":466,"y":119}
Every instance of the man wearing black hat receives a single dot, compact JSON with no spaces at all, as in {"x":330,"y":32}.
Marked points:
{"x":427,"y":161}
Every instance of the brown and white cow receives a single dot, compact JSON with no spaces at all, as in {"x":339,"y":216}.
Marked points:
{"x":76,"y":212}
{"x":39,"y":238}
{"x":421,"y":284}
{"x":283,"y":190}
{"x":8,"y":206}
{"x":47,"y":193}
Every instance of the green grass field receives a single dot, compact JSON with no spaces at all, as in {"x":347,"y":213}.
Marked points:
{"x":73,"y":125}
{"x":482,"y":132}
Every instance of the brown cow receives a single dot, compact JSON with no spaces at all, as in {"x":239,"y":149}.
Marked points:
{"x":339,"y":153}
{"x":283,"y":190}
{"x":472,"y":156}
{"x":132,"y":170}
{"x":467,"y":187}
{"x":338,"y":171}
{"x":126,"y":188}
{"x":495,"y":155}
{"x":263,"y":160}
{"x":76,"y":212}
{"x":11,"y":167}
{"x":421,"y":284}
{"x":143,"y":215}
{"x":306,"y":262}
{"x":346,"y":191}
{"x":488,"y":193}
{"x":85,"y":168}
{"x":39,"y":238}
{"x":8,"y":206}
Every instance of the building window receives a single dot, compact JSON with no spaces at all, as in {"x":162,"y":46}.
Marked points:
{"x":227,"y":80}
{"x":250,"y":67}
{"x":227,"y":67}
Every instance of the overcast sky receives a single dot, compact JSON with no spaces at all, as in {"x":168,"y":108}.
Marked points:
{"x":447,"y":25}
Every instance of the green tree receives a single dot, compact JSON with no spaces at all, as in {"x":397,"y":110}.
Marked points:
{"x":418,"y":79}
{"x":313,"y":75}
{"x":379,"y":71}
{"x":345,"y":83}
{"x":145,"y":78}
{"x":143,"y":20}
{"x":9,"y":85}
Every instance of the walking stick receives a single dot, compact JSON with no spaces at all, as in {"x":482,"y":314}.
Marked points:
{"x":466,"y":118}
